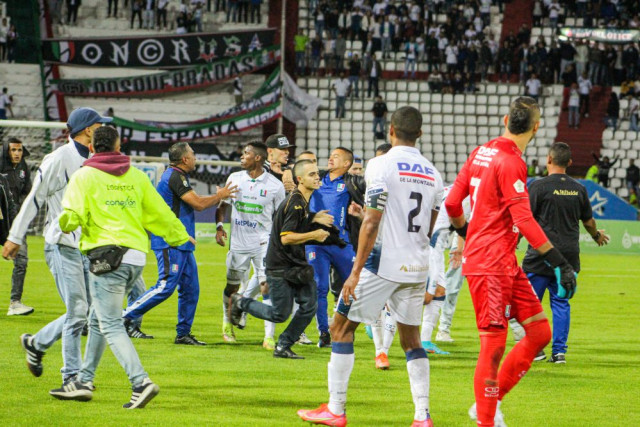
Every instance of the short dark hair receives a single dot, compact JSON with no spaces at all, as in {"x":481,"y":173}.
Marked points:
{"x":14,"y":140}
{"x":349,"y":154}
{"x":383,"y":148}
{"x":523,"y":113}
{"x":177,"y":152}
{"x":407,"y":122}
{"x":104,"y":139}
{"x":259,"y":148}
{"x":560,"y":153}
{"x":300,"y":164}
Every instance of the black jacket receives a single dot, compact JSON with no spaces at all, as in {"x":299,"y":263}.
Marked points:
{"x":8,"y":209}
{"x":356,"y":188}
{"x":19,"y":177}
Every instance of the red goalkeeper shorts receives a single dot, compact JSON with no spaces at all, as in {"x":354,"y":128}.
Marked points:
{"x":497,"y":299}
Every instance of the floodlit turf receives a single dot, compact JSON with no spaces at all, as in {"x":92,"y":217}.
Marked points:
{"x":243,"y":385}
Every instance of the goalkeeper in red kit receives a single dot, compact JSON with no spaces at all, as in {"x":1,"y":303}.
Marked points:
{"x":495,"y":177}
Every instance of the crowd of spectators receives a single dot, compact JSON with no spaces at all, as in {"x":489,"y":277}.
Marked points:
{"x":162,"y":15}
{"x":464,"y":44}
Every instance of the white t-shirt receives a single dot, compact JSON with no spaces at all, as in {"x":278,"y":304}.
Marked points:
{"x":406,"y":187}
{"x":574,"y":98}
{"x":554,"y":8}
{"x":379,"y":8}
{"x":584,"y":85}
{"x":452,"y":54}
{"x":341,"y":86}
{"x":4,"y":101}
{"x":252,"y":210}
{"x":634,"y":105}
{"x":533,"y":87}
{"x":485,"y":6}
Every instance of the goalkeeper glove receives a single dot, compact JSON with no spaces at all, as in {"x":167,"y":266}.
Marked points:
{"x":565,"y":275}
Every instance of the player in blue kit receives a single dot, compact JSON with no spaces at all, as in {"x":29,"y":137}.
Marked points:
{"x":177,"y":267}
{"x":338,"y":191}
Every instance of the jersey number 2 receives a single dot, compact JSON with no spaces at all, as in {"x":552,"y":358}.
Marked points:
{"x":415,"y":212}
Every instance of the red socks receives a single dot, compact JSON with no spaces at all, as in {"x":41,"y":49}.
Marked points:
{"x":485,"y":381}
{"x":491,"y":386}
{"x":519,"y":359}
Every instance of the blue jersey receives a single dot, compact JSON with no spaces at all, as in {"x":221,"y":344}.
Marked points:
{"x":172,"y":186}
{"x":334,"y":197}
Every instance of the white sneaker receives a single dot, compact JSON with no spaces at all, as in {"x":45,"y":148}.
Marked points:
{"x":304,"y":340}
{"x":16,"y":308}
{"x":498,"y":419}
{"x":444,"y":336}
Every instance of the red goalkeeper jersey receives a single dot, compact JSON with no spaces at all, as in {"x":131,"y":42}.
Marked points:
{"x":495,"y":177}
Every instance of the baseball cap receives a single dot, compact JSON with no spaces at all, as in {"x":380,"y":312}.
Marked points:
{"x":278,"y":140}
{"x":82,"y":118}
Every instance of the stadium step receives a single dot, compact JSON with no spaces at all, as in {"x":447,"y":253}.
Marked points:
{"x":588,"y":138}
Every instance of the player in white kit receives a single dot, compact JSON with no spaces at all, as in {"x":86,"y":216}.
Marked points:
{"x":441,"y":285}
{"x":404,"y":192}
{"x":259,"y":195}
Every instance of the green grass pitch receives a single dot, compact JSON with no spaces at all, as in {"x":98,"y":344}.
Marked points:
{"x":243,"y":385}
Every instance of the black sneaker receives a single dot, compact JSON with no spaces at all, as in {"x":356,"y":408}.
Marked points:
{"x":324,"y":340}
{"x":235,"y":312}
{"x":188,"y":340}
{"x":72,"y":389}
{"x":557,"y":358}
{"x":134,"y":331}
{"x":285,"y":353}
{"x":540,"y":356}
{"x":142,"y":394}
{"x":34,"y":357}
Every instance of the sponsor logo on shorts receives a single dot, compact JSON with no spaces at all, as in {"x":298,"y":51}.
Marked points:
{"x":507,"y":311}
{"x":312,"y":256}
{"x":414,"y":268}
{"x":174,"y":268}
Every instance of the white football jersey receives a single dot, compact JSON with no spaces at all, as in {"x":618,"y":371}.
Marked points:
{"x":443,"y":216}
{"x":253,"y":208}
{"x":406,"y":187}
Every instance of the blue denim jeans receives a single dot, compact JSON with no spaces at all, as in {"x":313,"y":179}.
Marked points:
{"x":70,"y":270}
{"x":106,"y":327}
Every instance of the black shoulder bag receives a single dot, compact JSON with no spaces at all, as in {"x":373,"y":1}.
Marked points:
{"x":105,"y":259}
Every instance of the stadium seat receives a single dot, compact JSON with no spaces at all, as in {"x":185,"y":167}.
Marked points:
{"x":469,"y":109}
{"x":490,"y":89}
{"x":447,"y":108}
{"x":447,"y":119}
{"x":438,"y":157}
{"x":459,"y":119}
{"x":436,"y":98}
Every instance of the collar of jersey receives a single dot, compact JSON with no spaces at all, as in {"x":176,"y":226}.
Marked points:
{"x":405,"y":148}
{"x":262,"y":176}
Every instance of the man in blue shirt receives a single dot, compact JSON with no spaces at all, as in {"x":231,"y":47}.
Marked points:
{"x":338,"y":191}
{"x":177,"y":266}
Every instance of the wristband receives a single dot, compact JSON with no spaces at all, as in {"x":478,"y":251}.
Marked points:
{"x":554,"y":258}
{"x":220,"y":224}
{"x":596,"y":237}
{"x":462,"y":231}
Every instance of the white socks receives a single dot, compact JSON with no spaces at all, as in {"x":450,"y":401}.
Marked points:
{"x":269,"y":327}
{"x":377,"y":332}
{"x":429,"y":319}
{"x":389,"y":332}
{"x":339,"y":369}
{"x":419,"y":379}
